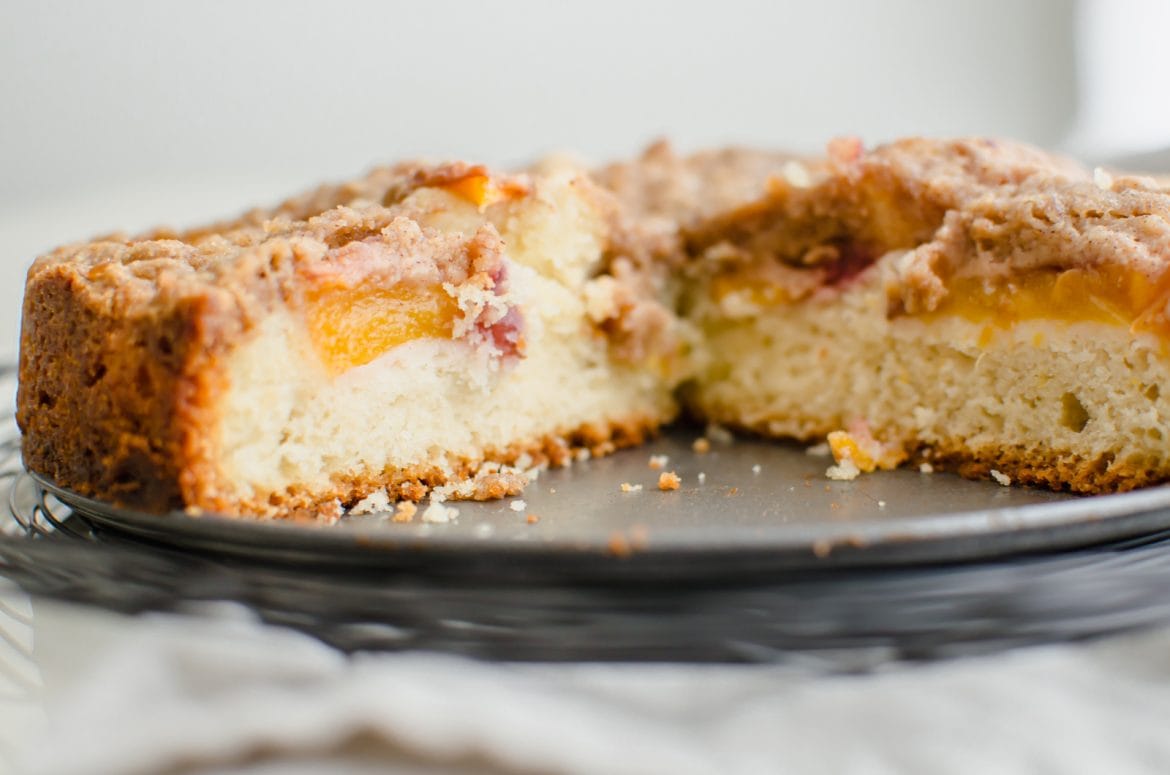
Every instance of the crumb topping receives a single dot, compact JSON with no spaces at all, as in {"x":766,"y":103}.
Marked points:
{"x":944,"y":209}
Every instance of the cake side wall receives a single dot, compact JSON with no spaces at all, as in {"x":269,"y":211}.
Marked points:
{"x":105,"y":400}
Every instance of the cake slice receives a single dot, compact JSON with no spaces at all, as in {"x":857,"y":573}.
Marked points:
{"x":425,"y":327}
{"x":978,"y":305}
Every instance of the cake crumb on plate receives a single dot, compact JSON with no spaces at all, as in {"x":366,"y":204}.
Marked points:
{"x":376,"y":501}
{"x":669,"y":480}
{"x":844,"y":471}
{"x":404,"y":512}
{"x":438,"y":513}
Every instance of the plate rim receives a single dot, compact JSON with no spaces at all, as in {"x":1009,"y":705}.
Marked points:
{"x":971,"y":534}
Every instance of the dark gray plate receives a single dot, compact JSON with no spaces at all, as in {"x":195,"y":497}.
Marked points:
{"x":741,"y":519}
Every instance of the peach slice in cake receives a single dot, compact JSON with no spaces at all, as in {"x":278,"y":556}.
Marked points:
{"x":976,"y":303}
{"x":425,"y":327}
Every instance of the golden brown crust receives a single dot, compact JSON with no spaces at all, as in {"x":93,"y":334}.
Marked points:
{"x":111,"y":404}
{"x":1038,"y":465}
{"x":1052,"y":469}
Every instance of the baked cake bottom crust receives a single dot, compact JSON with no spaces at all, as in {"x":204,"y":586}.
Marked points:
{"x":499,"y":473}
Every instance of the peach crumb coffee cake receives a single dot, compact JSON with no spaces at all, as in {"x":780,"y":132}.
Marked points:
{"x":977,"y":305}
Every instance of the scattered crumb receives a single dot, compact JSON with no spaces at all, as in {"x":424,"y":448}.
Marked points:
{"x":627,"y":487}
{"x":756,"y":468}
{"x":792,"y":488}
{"x":733,"y":491}
{"x":378,"y":500}
{"x":438,"y":513}
{"x":517,"y":505}
{"x":669,"y":480}
{"x":404,"y":512}
{"x":844,"y":471}
{"x":834,"y":506}
{"x":618,"y":546}
{"x":1102,"y":178}
{"x":925,"y":468}
{"x":532,"y":519}
{"x":796,"y":174}
{"x":552,"y":490}
{"x":701,"y":445}
{"x":702,"y":477}
{"x":818,"y":450}
{"x":658,"y":462}
{"x":639,"y":537}
{"x":865,"y":453}
{"x":484,"y":530}
{"x":1001,"y":477}
{"x":331,"y":511}
{"x":719,"y":435}
{"x":881,"y":504}
{"x":822,"y":547}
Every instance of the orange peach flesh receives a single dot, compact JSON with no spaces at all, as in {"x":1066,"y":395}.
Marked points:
{"x":1072,"y":296}
{"x":482,"y":190}
{"x":350,"y":327}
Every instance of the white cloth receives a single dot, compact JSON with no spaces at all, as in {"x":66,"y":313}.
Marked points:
{"x":222,"y":693}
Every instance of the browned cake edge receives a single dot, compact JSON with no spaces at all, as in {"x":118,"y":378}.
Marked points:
{"x":112,"y":405}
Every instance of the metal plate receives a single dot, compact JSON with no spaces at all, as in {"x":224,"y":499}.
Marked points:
{"x":761,"y":507}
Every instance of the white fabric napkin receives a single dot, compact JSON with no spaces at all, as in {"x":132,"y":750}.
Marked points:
{"x":221,"y":693}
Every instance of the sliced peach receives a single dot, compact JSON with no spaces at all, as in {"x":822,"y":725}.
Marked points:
{"x":350,"y":327}
{"x":482,"y":189}
{"x":1072,"y":295}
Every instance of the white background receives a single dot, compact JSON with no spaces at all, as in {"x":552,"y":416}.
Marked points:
{"x":122,"y":115}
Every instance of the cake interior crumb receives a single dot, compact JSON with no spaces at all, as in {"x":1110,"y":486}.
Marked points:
{"x":518,"y":505}
{"x":658,"y":462}
{"x":627,"y":487}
